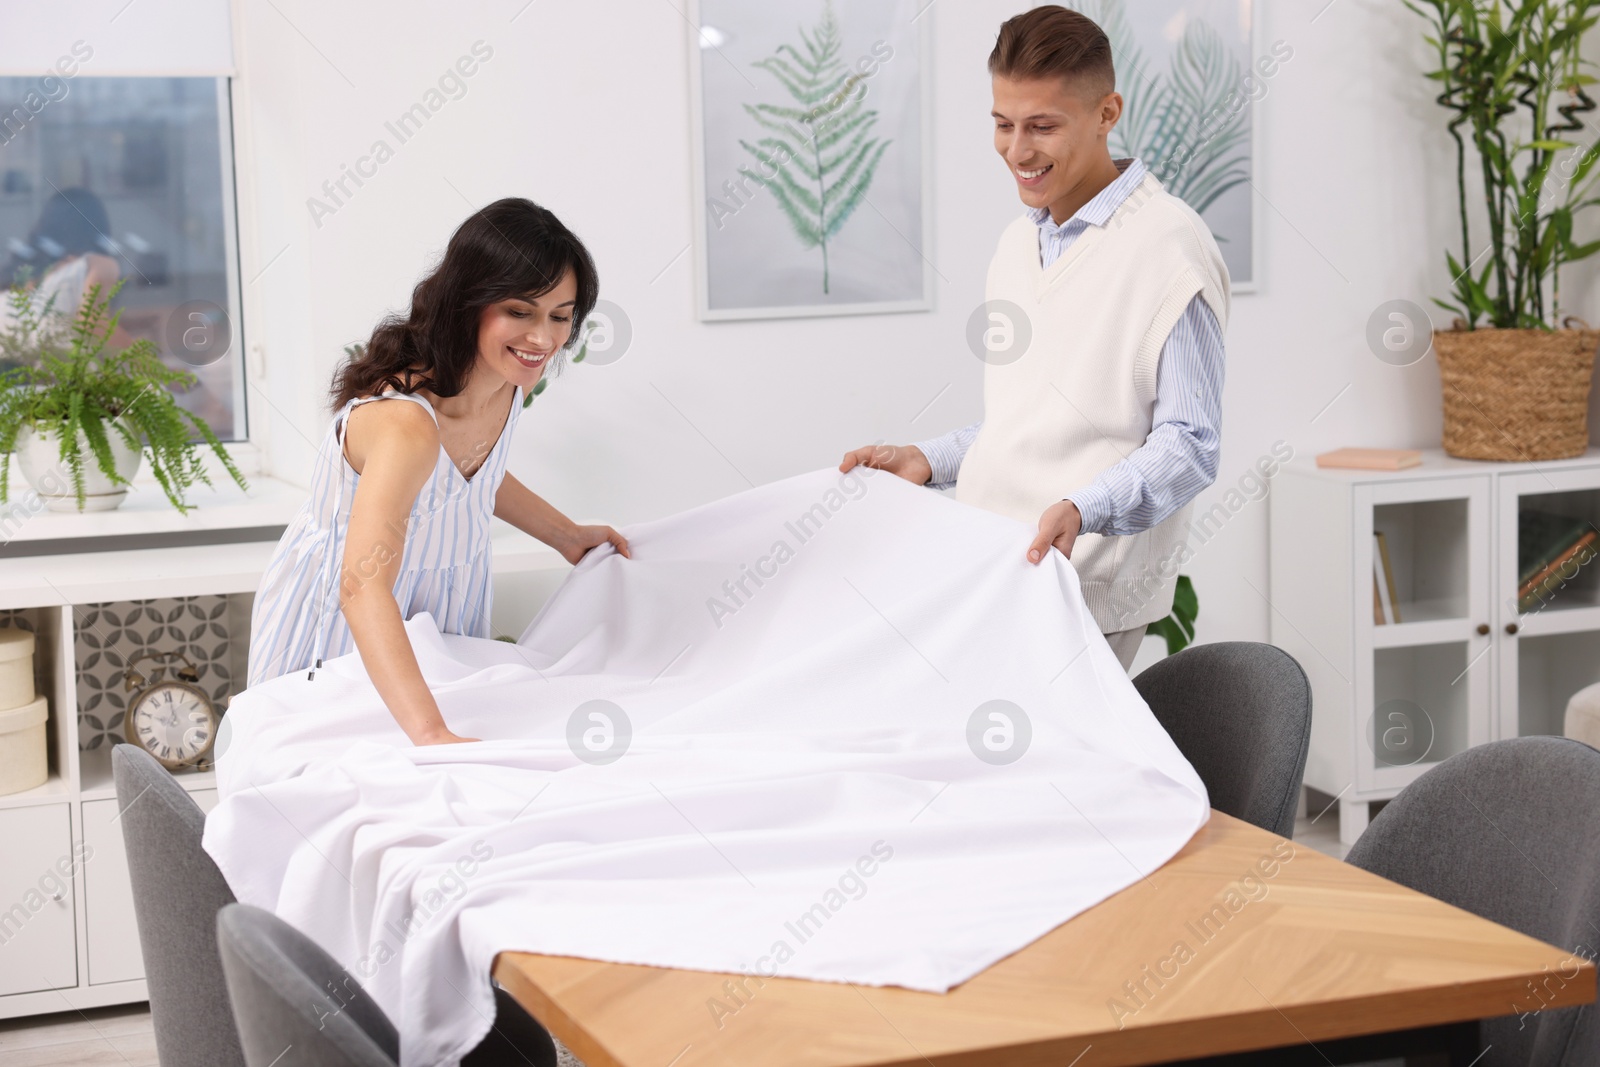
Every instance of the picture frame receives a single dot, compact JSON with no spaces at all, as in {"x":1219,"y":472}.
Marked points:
{"x":751,"y":260}
{"x":1145,"y":37}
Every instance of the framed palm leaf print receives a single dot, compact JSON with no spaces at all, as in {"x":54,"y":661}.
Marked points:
{"x":811,"y":157}
{"x":1191,"y":73}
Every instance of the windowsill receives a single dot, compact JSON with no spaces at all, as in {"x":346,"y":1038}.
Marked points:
{"x":146,"y":519}
{"x":146,"y":547}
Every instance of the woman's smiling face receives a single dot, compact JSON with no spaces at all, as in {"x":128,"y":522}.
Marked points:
{"x":519,"y":336}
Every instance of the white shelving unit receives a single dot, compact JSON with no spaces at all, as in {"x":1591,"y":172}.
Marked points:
{"x":70,"y":942}
{"x":1463,"y":665}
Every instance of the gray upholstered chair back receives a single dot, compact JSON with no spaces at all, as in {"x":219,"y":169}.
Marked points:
{"x":288,"y":994}
{"x":1240,"y":712}
{"x":286,"y":991}
{"x":177,"y":892}
{"x":1508,"y":830}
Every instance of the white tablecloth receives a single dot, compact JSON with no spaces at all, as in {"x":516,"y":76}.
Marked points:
{"x":834,"y":728}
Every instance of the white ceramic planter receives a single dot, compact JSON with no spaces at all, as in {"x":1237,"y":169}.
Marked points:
{"x":38,"y":456}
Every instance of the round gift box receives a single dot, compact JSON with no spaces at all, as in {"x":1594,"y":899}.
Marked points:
{"x":16,"y":667}
{"x":24,"y":759}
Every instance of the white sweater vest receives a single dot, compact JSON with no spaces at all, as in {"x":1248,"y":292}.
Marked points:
{"x":1080,"y":397}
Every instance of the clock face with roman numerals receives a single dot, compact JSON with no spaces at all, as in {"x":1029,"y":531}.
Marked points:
{"x":176,"y":723}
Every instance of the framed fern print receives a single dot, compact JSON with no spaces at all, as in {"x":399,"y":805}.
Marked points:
{"x":811,"y":157}
{"x":1190,"y":73}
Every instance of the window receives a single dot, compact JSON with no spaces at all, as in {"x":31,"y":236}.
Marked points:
{"x":131,"y":178}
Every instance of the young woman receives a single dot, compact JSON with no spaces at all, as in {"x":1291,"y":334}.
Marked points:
{"x":403,"y":493}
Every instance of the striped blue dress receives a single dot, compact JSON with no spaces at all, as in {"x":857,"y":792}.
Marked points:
{"x":295,"y":621}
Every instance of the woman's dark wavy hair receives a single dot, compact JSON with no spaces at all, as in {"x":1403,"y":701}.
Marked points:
{"x":512,"y":248}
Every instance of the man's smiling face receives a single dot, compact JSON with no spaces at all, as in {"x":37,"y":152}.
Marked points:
{"x":1051,"y":132}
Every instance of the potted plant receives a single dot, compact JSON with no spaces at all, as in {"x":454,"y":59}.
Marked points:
{"x":1177,"y":629}
{"x":58,"y":404}
{"x":1516,"y":387}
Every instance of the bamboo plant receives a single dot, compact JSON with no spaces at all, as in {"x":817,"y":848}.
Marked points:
{"x":76,"y":384}
{"x":1512,"y":79}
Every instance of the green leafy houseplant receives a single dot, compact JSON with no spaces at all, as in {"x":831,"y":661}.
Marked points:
{"x":1503,"y":69}
{"x":74,"y":384}
{"x":1511,"y":77}
{"x":21,"y":341}
{"x":1178,"y":628}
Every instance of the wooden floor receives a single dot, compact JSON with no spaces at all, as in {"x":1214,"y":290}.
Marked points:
{"x":114,"y":1037}
{"x":121,"y":1037}
{"x":117,"y":1037}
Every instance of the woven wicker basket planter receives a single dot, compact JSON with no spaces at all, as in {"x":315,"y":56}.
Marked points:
{"x":1516,"y":394}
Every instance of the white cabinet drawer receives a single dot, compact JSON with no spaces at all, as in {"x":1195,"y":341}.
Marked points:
{"x":110,"y":926}
{"x":38,"y":946}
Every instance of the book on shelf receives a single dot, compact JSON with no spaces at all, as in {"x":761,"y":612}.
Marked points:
{"x":1551,"y":549}
{"x":1383,"y":578}
{"x":1557,"y":572}
{"x":1371,"y":459}
{"x":1541,"y":537}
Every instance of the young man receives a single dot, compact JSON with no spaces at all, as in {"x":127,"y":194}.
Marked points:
{"x":1103,"y":430}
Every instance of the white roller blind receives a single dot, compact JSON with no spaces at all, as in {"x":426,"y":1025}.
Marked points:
{"x":115,"y":37}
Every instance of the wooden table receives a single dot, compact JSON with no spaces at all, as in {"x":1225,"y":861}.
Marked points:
{"x":1315,"y":951}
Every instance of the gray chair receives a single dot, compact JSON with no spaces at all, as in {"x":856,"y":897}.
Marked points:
{"x":1507,"y":830}
{"x":177,"y":891}
{"x":1240,"y":712}
{"x":177,"y":894}
{"x":296,"y":1007}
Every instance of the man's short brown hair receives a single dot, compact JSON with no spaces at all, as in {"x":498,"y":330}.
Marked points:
{"x":1055,"y":42}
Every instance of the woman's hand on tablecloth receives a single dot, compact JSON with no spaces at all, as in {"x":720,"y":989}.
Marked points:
{"x":441,"y":736}
{"x":580,"y":539}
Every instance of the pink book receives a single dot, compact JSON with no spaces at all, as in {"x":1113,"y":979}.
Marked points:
{"x":1371,"y":459}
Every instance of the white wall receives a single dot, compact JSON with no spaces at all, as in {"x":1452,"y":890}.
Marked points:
{"x":584,"y":108}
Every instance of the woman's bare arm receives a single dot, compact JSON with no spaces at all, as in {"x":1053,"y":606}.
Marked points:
{"x":395,"y":447}
{"x":537,"y":517}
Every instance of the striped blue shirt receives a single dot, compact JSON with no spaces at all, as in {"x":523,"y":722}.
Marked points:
{"x":1179,"y":457}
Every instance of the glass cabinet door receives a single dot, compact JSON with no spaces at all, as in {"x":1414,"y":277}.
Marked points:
{"x":1547,"y":596}
{"x":1423,"y":673}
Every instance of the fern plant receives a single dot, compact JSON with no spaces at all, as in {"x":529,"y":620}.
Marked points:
{"x":77,"y":385}
{"x":21,"y":339}
{"x":1178,"y":121}
{"x":832,"y":148}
